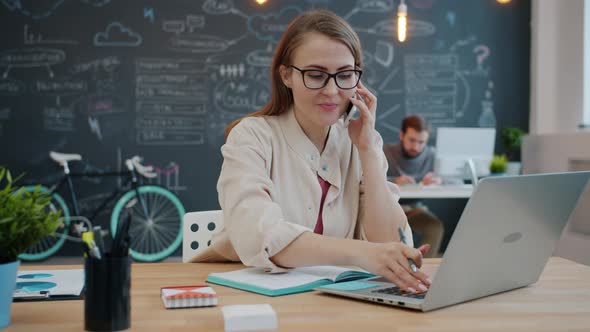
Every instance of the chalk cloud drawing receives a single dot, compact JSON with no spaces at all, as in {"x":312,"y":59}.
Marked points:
{"x":218,"y":7}
{"x":270,"y":27}
{"x":116,"y":34}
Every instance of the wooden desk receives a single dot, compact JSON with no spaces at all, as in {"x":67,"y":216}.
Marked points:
{"x":437,"y":191}
{"x":559,"y":301}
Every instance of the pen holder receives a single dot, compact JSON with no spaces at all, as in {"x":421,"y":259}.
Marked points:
{"x":107,"y":303}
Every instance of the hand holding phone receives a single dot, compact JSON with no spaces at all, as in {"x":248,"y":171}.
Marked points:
{"x":351,"y":113}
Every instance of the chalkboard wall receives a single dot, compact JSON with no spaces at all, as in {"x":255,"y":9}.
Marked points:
{"x":113,"y":78}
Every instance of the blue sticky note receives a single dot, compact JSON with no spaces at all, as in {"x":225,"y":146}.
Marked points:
{"x":350,"y":286}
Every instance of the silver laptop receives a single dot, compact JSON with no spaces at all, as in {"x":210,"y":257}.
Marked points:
{"x":506,"y":234}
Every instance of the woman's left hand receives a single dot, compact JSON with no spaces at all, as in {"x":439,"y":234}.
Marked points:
{"x":362,"y":130}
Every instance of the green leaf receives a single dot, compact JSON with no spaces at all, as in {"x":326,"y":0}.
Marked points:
{"x":25,"y":217}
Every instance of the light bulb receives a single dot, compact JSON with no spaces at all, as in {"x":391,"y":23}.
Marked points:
{"x":402,"y":21}
{"x":261,"y":2}
{"x":503,"y":1}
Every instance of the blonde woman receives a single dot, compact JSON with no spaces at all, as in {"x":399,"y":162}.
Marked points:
{"x":296,"y":187}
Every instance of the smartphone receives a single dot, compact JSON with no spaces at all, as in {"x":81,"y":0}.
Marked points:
{"x":350,"y":114}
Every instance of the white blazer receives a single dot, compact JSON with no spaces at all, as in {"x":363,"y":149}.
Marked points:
{"x":269,"y":191}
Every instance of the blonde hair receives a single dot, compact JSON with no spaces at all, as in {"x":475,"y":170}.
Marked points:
{"x":319,"y":21}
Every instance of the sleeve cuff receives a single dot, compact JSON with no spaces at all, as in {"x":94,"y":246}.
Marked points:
{"x":409,"y":236}
{"x":275,"y":240}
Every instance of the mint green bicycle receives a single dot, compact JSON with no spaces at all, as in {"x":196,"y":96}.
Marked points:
{"x":156,"y":230}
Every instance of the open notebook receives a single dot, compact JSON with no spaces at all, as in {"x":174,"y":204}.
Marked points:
{"x":297,"y":280}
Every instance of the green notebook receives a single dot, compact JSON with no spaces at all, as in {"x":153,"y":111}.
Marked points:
{"x":297,"y":280}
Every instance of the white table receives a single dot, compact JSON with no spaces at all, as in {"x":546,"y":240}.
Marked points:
{"x":436,"y":191}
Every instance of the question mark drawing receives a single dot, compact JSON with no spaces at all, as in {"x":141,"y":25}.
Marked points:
{"x":482,"y":52}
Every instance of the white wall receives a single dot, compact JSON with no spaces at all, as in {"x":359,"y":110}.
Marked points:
{"x":560,"y":74}
{"x":564,"y":152}
{"x":557,"y":66}
{"x":587,"y":63}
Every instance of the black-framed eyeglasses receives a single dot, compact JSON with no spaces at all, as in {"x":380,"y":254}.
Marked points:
{"x":316,"y":79}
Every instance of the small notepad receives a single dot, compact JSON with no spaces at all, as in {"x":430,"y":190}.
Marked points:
{"x":188,"y":296}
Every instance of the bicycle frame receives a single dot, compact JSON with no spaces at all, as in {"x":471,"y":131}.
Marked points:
{"x":157,"y":217}
{"x":130,"y":176}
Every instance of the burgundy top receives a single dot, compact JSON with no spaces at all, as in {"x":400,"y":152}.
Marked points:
{"x":319,"y":226}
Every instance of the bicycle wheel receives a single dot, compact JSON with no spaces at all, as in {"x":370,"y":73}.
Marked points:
{"x":158,"y":234}
{"x":49,"y":245}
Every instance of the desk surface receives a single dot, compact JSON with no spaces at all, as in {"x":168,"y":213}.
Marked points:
{"x":436,"y":191}
{"x":559,"y":301}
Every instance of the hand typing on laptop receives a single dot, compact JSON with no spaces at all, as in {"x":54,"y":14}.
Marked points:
{"x":503,"y":250}
{"x":390,"y":260}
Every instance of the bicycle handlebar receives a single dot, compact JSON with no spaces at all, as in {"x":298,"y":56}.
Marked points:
{"x":135,"y":163}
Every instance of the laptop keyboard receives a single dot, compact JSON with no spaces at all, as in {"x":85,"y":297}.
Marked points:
{"x":396,"y":291}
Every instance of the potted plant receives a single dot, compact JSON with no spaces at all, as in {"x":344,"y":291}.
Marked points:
{"x":498,"y":165}
{"x":511,"y":141}
{"x":25,"y":218}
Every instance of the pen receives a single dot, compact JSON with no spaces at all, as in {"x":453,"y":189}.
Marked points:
{"x":94,"y":250}
{"x":402,"y":238}
{"x":97,"y":230}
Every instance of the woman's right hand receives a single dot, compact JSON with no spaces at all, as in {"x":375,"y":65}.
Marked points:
{"x":390,"y":260}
